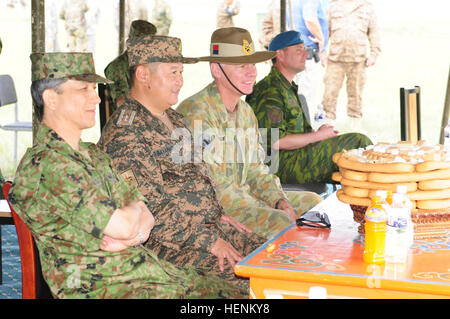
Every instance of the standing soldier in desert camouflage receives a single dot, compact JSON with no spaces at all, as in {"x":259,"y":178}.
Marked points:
{"x":352,"y":24}
{"x":226,"y":11}
{"x":162,"y":16}
{"x":73,"y":13}
{"x":228,"y":127}
{"x":190,"y":227}
{"x":88,"y":223}
{"x":118,"y":70}
{"x":305,"y":154}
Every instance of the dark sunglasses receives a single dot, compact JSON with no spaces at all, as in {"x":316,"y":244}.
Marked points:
{"x":314,"y":219}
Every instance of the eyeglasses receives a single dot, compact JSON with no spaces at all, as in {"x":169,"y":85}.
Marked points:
{"x":314,"y":219}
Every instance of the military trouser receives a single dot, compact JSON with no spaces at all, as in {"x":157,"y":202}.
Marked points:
{"x":243,"y":242}
{"x":190,"y":283}
{"x":268,"y":222}
{"x":313,"y":163}
{"x":333,"y":80}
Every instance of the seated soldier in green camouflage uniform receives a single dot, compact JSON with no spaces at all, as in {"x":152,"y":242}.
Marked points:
{"x":190,"y":227}
{"x":118,"y":70}
{"x":88,"y":223}
{"x":229,"y":129}
{"x":305,"y":155}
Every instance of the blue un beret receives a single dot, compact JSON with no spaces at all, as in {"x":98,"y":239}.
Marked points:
{"x":285,"y":39}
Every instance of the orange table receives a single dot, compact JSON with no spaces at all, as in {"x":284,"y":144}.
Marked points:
{"x":332,"y":258}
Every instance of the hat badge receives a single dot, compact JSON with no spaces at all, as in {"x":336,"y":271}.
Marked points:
{"x":246,"y":47}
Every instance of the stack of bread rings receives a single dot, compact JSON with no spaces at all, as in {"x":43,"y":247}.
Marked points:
{"x":422,"y":168}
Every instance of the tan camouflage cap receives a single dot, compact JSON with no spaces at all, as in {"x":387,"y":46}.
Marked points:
{"x":155,"y":48}
{"x":58,"y":65}
{"x":139,"y":28}
{"x":234,"y":45}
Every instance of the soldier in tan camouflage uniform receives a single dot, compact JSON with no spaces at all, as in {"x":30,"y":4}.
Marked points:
{"x":88,"y":223}
{"x":190,"y":227}
{"x":162,"y":16}
{"x":118,"y":70}
{"x":229,"y":129}
{"x":226,"y":11}
{"x":271,"y":24}
{"x":73,"y":13}
{"x":352,"y":23}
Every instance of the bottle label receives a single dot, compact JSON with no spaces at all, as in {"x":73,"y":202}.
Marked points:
{"x":376,"y":215}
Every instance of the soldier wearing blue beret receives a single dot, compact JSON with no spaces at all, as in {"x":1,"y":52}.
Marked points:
{"x":304,"y":154}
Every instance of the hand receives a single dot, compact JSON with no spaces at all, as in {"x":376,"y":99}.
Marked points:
{"x":327,"y":131}
{"x":370,"y":61}
{"x":223,"y":250}
{"x":113,"y":245}
{"x":323,"y":59}
{"x":287,"y":208}
{"x":230,"y":220}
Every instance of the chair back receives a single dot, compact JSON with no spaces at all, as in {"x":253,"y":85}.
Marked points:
{"x":106,"y":106}
{"x":33,"y":283}
{"x":7,"y":90}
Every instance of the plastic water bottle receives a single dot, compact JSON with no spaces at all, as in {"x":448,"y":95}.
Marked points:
{"x":402,"y":189}
{"x":375,"y":232}
{"x":397,"y":241}
{"x":319,"y":117}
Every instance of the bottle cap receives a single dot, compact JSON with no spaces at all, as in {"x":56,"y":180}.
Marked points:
{"x":382,"y":194}
{"x":317,"y":292}
{"x":402,"y":189}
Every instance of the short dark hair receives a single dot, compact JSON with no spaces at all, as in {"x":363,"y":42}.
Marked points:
{"x":132,"y":73}
{"x":37,"y":88}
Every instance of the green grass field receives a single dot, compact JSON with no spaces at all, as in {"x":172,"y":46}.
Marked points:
{"x":415,"y":43}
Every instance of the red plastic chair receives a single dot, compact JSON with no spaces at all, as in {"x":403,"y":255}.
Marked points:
{"x":33,"y":283}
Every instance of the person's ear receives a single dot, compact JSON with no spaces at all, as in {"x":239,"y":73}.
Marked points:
{"x":50,"y":99}
{"x":280,"y":55}
{"x":142,"y":73}
{"x":215,"y":70}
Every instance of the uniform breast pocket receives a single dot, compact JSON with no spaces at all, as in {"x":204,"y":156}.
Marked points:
{"x":362,"y":21}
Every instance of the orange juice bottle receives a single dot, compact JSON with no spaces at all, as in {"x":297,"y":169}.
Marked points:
{"x":375,"y":229}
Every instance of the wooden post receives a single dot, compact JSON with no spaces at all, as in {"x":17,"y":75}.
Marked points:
{"x":37,"y":39}
{"x":121,"y":26}
{"x":282,"y":15}
{"x":446,"y":113}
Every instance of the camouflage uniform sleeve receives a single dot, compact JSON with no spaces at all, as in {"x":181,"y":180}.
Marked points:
{"x":69,"y":193}
{"x":268,"y":105}
{"x":264,"y":185}
{"x":229,"y":193}
{"x":134,"y":161}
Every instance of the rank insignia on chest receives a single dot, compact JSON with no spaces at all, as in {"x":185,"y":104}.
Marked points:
{"x":126,"y":117}
{"x":129,"y":177}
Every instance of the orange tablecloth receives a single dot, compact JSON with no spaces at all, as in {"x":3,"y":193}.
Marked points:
{"x":332,"y":258}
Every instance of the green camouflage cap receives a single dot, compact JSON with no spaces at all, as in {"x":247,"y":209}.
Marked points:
{"x":139,"y":28}
{"x":155,"y":48}
{"x":71,"y":65}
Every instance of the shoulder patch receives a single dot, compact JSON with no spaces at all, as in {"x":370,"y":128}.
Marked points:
{"x":126,"y":117}
{"x":275,"y":115}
